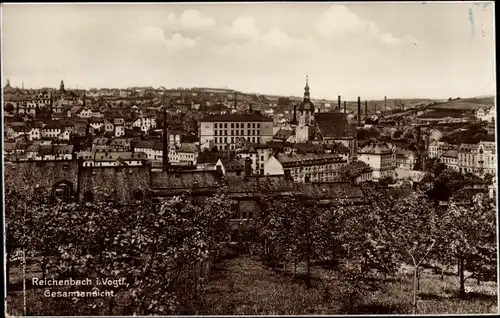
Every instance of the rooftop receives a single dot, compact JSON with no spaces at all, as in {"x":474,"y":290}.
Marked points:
{"x":237,"y":117}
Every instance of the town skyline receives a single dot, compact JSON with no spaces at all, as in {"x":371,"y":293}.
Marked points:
{"x":265,"y":48}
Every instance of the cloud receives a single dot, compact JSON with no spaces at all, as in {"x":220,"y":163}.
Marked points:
{"x":179,"y":42}
{"x":340,"y":22}
{"x":194,"y":20}
{"x":277,"y":38}
{"x":244,"y":28}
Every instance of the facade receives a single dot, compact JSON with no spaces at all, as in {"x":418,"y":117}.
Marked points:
{"x":477,"y":158}
{"x":306,"y":167}
{"x":223,"y":130}
{"x":380,"y":158}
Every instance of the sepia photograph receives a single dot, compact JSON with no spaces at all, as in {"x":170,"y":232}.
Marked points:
{"x":249,"y":158}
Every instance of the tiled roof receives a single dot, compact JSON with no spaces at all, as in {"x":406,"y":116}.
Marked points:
{"x":237,"y":117}
{"x":183,"y":180}
{"x":329,"y":190}
{"x":260,"y":184}
{"x":188,"y":147}
{"x":293,"y":159}
{"x":9,"y":146}
{"x":283,"y":134}
{"x":233,"y":164}
{"x":113,"y":156}
{"x":375,"y":148}
{"x":451,"y":154}
{"x":100,"y":141}
{"x":332,"y":124}
{"x":66,"y":149}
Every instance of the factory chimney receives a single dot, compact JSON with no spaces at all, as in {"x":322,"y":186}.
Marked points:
{"x":366,"y":109}
{"x":165,"y":141}
{"x":385,"y":102}
{"x":359,"y":111}
{"x":339,"y":103}
{"x":295,"y":113}
{"x":345,"y":107}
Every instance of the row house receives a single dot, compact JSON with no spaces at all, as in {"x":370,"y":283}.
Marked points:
{"x":54,"y":152}
{"x":185,"y":155}
{"x":109,"y":126}
{"x":13,"y":132}
{"x":110,"y":159}
{"x":96,"y":124}
{"x":306,"y":167}
{"x":119,"y":130}
{"x":405,"y":159}
{"x":450,"y":159}
{"x":258,"y":155}
{"x":102,"y":141}
{"x":152,"y":148}
{"x":438,"y":148}
{"x":120,"y":144}
{"x":145,"y":123}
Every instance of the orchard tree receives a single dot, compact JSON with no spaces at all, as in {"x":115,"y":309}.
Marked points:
{"x":470,"y":239}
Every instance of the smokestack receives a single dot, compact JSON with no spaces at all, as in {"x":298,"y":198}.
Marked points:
{"x":234,"y":99}
{"x":339,"y":103}
{"x":295,"y":113}
{"x":385,"y":102}
{"x":165,"y":141}
{"x":345,"y":107}
{"x":366,"y":109}
{"x":248,"y":166}
{"x":359,"y":111}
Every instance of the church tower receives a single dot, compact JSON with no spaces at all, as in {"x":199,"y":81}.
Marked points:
{"x":306,"y":116}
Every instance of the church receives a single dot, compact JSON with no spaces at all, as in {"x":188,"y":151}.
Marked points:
{"x":322,"y":128}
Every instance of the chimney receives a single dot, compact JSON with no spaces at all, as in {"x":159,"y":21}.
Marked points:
{"x":359,"y":111}
{"x":339,"y":103}
{"x":165,"y":141}
{"x":345,"y":107}
{"x":295,"y":113}
{"x":385,"y":102}
{"x":366,"y":109}
{"x":248,"y":166}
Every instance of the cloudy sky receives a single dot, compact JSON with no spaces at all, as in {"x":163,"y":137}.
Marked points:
{"x":404,"y":50}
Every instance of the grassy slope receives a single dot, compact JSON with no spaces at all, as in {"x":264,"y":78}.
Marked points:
{"x":245,"y":286}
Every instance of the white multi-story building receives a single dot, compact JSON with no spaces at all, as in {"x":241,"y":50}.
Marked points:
{"x":223,"y":130}
{"x":380,"y":158}
{"x":477,"y":158}
{"x":306,"y":167}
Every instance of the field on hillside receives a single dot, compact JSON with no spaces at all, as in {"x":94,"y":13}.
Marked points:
{"x":244,"y":286}
{"x":467,"y":104}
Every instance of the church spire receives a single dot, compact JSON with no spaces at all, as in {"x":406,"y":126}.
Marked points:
{"x":306,"y":89}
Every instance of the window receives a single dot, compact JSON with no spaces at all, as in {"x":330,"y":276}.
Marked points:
{"x":216,"y":133}
{"x":248,"y":132}
{"x":258,"y":125}
{"x":248,"y":125}
{"x":253,"y":125}
{"x":237,"y":125}
{"x":232,"y":132}
{"x":215,"y":125}
{"x":138,"y":195}
{"x":232,"y":125}
{"x":156,"y":204}
{"x":63,"y":190}
{"x":225,"y":125}
{"x":88,"y":196}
